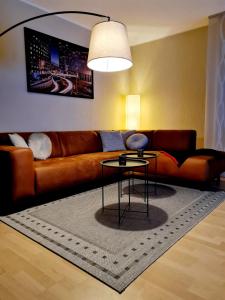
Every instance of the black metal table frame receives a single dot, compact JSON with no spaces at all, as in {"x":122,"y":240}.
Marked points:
{"x":150,"y":156}
{"x":121,"y":170}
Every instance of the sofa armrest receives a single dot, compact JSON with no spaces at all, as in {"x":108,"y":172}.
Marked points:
{"x":16,"y":174}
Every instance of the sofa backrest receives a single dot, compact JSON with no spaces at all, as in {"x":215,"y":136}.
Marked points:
{"x":174,"y":140}
{"x":56,"y":147}
{"x":67,"y":143}
{"x":78,"y":142}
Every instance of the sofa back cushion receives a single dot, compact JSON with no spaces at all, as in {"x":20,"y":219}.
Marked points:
{"x":79,"y":142}
{"x":174,"y":140}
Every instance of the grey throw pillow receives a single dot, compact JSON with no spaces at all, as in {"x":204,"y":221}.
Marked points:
{"x":112,"y":141}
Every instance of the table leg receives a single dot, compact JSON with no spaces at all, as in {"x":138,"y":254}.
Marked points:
{"x":155,"y":184}
{"x":129,"y":191}
{"x":102,"y":190}
{"x":119,"y":195}
{"x":121,"y":189}
{"x":146,"y":174}
{"x":133,"y":183}
{"x":145,"y":185}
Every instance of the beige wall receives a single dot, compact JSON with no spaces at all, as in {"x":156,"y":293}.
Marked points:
{"x":169,"y":74}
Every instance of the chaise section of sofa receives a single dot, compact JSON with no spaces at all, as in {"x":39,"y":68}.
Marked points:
{"x":172,"y":144}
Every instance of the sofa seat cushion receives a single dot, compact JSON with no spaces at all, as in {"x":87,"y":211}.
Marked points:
{"x":60,"y":173}
{"x":165,"y":165}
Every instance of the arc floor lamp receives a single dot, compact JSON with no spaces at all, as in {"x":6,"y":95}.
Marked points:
{"x":109,"y":50}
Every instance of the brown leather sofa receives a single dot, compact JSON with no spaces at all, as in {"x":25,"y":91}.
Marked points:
{"x":75,"y":160}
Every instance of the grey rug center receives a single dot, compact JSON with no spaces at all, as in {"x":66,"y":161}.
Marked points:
{"x":85,"y":219}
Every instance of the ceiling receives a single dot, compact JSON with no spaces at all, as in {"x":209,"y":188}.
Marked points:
{"x":146,"y":20}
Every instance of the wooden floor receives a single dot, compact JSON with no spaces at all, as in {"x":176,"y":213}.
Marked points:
{"x":194,"y":268}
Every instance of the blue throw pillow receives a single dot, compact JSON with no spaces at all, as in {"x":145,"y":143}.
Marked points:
{"x":112,"y":141}
{"x":137,"y":141}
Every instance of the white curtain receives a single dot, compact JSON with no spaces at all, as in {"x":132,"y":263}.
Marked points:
{"x":215,"y":85}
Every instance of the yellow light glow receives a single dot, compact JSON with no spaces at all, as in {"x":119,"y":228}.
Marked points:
{"x":133,"y":112}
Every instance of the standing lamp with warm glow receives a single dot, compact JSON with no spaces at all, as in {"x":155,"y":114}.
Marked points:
{"x":133,"y":104}
{"x":109,"y":50}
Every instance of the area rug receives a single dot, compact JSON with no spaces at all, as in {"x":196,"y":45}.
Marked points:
{"x":76,"y":228}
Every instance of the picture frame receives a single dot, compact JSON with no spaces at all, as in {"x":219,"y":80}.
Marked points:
{"x":57,"y":67}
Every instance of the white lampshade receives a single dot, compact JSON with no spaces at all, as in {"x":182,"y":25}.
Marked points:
{"x":109,"y":50}
{"x":133,"y":109}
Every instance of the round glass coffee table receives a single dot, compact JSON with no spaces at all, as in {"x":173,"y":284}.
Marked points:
{"x":129,"y":166}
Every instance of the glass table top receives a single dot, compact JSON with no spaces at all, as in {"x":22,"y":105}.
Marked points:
{"x":130,"y":163}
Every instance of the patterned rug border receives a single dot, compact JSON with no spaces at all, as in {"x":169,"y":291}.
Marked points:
{"x":117,"y":277}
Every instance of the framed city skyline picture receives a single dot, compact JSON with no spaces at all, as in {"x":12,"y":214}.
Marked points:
{"x":57,"y":67}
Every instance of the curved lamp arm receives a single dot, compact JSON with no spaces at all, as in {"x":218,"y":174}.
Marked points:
{"x":51,"y":14}
{"x":109,"y":49}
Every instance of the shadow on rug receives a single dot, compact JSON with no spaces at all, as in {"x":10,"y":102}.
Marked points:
{"x":132,"y":221}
